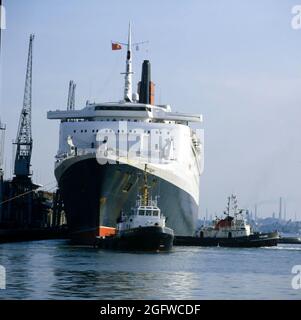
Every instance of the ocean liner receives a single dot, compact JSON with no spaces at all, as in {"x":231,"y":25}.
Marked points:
{"x":103,"y":150}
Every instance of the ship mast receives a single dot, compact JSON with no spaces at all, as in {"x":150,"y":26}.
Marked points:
{"x":145,"y":188}
{"x":128,"y":81}
{"x":128,"y":74}
{"x":228,"y":206}
{"x":235,"y":206}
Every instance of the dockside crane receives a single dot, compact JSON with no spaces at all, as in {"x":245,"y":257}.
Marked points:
{"x":71,"y":95}
{"x":24,"y":136}
{"x":23,"y":207}
{"x":20,"y":210}
{"x":2,"y":131}
{"x":2,"y":137}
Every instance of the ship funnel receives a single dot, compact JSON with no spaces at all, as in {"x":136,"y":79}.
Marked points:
{"x":146,"y":86}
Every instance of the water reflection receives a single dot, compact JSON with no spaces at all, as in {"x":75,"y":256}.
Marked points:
{"x":122,"y":285}
{"x":56,"y":270}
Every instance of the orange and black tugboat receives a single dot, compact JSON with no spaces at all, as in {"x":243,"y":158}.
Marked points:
{"x":231,"y":231}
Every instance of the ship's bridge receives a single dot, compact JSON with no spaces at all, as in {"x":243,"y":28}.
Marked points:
{"x":123,"y":112}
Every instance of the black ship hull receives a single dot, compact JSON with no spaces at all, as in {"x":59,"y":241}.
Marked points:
{"x":290,"y":240}
{"x":151,"y":239}
{"x":94,"y":195}
{"x":253,"y":241}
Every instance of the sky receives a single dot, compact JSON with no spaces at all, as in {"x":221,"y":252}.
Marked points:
{"x":238,"y":63}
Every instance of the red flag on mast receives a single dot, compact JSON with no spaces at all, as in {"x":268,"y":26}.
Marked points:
{"x":116,"y":46}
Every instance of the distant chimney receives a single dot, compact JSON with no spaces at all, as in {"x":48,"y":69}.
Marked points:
{"x":280,"y":208}
{"x":146,"y":88}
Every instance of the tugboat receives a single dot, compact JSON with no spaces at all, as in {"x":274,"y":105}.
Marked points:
{"x":231,"y":231}
{"x":143,"y":229}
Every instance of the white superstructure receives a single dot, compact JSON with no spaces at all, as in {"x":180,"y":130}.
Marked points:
{"x":174,"y":156}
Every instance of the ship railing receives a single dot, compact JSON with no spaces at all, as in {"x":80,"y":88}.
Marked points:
{"x":77,"y":152}
{"x":149,"y":203}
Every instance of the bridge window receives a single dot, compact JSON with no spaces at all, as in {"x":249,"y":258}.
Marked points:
{"x":121,"y":108}
{"x":155,"y":213}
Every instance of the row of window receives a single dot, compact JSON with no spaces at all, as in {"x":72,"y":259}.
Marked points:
{"x":154,"y":213}
{"x":118,"y":131}
{"x":97,"y":108}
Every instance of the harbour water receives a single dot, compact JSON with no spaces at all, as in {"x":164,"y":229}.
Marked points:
{"x":53,"y":269}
